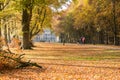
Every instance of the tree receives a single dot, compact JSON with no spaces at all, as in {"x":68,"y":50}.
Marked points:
{"x":7,"y":58}
{"x":41,"y":18}
{"x":98,"y":20}
{"x":116,"y":41}
{"x":26,"y":18}
{"x":3,"y":5}
{"x":110,"y":15}
{"x":4,"y":15}
{"x":84,"y":16}
{"x":27,"y":13}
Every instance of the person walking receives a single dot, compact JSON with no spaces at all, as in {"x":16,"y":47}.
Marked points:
{"x":83,"y":40}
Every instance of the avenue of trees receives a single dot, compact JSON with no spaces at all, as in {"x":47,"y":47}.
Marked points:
{"x":26,"y":18}
{"x":97,"y":20}
{"x":23,"y":19}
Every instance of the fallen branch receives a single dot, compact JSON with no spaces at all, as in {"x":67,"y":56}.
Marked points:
{"x":22,"y":63}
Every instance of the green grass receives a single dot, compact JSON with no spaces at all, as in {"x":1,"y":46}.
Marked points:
{"x":74,"y":52}
{"x":95,"y":58}
{"x":106,"y":55}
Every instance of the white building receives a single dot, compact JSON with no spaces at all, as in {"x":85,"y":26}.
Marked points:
{"x":46,"y":36}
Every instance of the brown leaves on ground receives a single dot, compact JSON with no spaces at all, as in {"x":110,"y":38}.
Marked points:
{"x":64,"y":69}
{"x":6,"y":63}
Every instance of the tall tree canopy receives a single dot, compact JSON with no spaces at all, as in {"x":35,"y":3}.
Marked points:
{"x":97,"y":20}
{"x":34,"y":15}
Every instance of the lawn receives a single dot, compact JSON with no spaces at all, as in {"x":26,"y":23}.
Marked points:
{"x":74,"y":52}
{"x":69,"y":62}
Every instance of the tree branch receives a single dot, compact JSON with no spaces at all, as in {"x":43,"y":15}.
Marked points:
{"x":22,"y":63}
{"x":43,"y":18}
{"x":36,"y":32}
{"x":4,"y":5}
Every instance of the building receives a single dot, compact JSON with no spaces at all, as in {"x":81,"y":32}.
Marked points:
{"x":46,"y":36}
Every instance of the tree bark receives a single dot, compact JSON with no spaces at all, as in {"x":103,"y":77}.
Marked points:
{"x":116,"y":42}
{"x":101,"y":37}
{"x":0,"y":29}
{"x":5,"y":33}
{"x":1,"y":4}
{"x":9,"y":35}
{"x":25,"y":29}
{"x":26,"y":18}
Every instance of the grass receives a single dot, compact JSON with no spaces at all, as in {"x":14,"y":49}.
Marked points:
{"x":104,"y":55}
{"x":93,"y":58}
{"x":74,"y":52}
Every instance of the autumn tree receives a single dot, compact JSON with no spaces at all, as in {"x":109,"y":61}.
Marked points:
{"x":4,"y":15}
{"x":41,"y":18}
{"x":98,"y":20}
{"x":28,"y":7}
{"x":7,"y":58}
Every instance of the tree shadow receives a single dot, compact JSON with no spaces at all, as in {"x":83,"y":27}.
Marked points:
{"x":92,"y":66}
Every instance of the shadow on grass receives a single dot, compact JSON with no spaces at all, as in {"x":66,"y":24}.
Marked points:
{"x":105,"y":67}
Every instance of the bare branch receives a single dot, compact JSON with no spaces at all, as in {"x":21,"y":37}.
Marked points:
{"x":22,"y":63}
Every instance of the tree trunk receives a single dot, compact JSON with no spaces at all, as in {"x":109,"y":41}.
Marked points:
{"x":1,"y":5}
{"x":101,"y":37}
{"x":5,"y":33}
{"x":9,"y":35}
{"x":107,"y":39}
{"x":26,"y":18}
{"x":0,"y":29}
{"x":25,"y":29}
{"x":0,"y":19}
{"x":116,"y":42}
